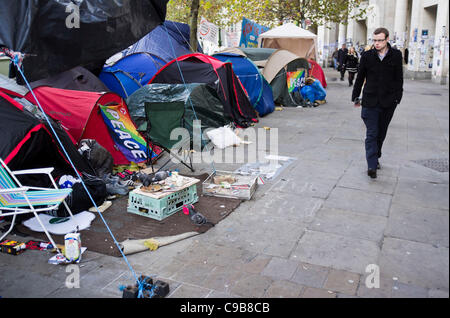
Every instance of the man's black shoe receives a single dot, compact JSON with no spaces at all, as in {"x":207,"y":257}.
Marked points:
{"x":378,"y":166}
{"x":372,"y":173}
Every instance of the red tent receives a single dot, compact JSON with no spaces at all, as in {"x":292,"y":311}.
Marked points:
{"x":200,"y":68}
{"x":317,"y":72}
{"x":79,"y":113}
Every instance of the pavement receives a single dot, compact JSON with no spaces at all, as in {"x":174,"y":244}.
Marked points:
{"x":321,"y":229}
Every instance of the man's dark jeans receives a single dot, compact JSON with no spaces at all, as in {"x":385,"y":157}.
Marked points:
{"x":377,"y":121}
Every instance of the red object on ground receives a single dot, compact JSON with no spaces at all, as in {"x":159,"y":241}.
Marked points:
{"x":317,"y":72}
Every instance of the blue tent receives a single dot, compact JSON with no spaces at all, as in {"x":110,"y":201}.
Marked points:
{"x":258,"y":89}
{"x":168,"y":41}
{"x":131,"y":73}
{"x":141,"y":61}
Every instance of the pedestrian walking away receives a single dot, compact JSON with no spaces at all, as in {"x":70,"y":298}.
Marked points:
{"x":351,"y":65}
{"x":334,"y":56}
{"x":342,"y":53}
{"x":381,"y":69}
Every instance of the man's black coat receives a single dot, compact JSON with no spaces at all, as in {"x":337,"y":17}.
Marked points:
{"x":342,"y":53}
{"x":383,"y":79}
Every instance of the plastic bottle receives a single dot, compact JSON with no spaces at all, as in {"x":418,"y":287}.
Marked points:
{"x":72,"y":247}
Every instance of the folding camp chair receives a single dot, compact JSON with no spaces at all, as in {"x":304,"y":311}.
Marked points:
{"x":162,"y":119}
{"x":17,"y":199}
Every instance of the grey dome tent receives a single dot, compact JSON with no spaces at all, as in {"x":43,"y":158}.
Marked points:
{"x":276,"y":72}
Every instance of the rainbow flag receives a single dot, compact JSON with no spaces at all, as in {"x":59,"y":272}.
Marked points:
{"x":295,"y":80}
{"x":124,"y":133}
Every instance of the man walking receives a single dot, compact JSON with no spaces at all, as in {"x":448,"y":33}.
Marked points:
{"x":382,"y":71}
{"x":342,"y":54}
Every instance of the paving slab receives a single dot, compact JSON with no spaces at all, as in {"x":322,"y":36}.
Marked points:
{"x":311,"y":292}
{"x":252,"y":286}
{"x":415,"y":263}
{"x":305,"y":186}
{"x":189,"y":291}
{"x":336,"y":251}
{"x":222,"y":278}
{"x":310,"y":275}
{"x":348,"y":223}
{"x":284,"y":289}
{"x":359,"y":201}
{"x":419,"y":224}
{"x":400,"y":290}
{"x":280,"y":268}
{"x":382,"y":184}
{"x":422,"y":194}
{"x":415,"y":171}
{"x":437,"y":293}
{"x":342,"y":282}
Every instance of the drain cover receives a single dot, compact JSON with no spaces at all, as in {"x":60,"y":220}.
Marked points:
{"x":440,"y":165}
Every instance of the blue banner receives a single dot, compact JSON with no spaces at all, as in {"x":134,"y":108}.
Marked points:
{"x":250,"y":33}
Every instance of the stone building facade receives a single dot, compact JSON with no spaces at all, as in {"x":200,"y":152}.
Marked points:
{"x":419,"y":28}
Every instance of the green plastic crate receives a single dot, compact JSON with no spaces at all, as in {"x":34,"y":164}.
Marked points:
{"x":143,"y":204}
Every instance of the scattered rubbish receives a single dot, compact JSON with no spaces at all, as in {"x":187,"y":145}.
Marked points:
{"x":60,"y":259}
{"x":102,"y":208}
{"x":12,"y":247}
{"x":80,"y":221}
{"x":267,"y":170}
{"x":394,"y":278}
{"x":351,"y":281}
{"x":38,"y":245}
{"x":223,"y":137}
{"x":136,"y":246}
{"x":230,"y":185}
{"x":145,"y":288}
{"x":72,"y":247}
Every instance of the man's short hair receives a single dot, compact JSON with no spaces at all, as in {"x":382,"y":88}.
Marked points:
{"x":382,"y":30}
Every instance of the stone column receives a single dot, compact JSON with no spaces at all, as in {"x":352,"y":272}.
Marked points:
{"x":401,"y":10}
{"x":440,"y":58}
{"x":414,"y":41}
{"x":342,"y":34}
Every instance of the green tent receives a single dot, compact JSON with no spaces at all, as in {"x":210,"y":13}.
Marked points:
{"x":200,"y":100}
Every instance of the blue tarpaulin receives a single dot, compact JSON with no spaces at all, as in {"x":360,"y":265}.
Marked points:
{"x":168,"y":41}
{"x":258,"y":90}
{"x":145,"y":58}
{"x":250,"y":33}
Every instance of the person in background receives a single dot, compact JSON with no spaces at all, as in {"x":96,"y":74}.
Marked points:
{"x":313,"y":92}
{"x":361,"y":50}
{"x":368,"y":47}
{"x":334,"y":56}
{"x":342,"y":53}
{"x":382,"y":70}
{"x":351,"y":65}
